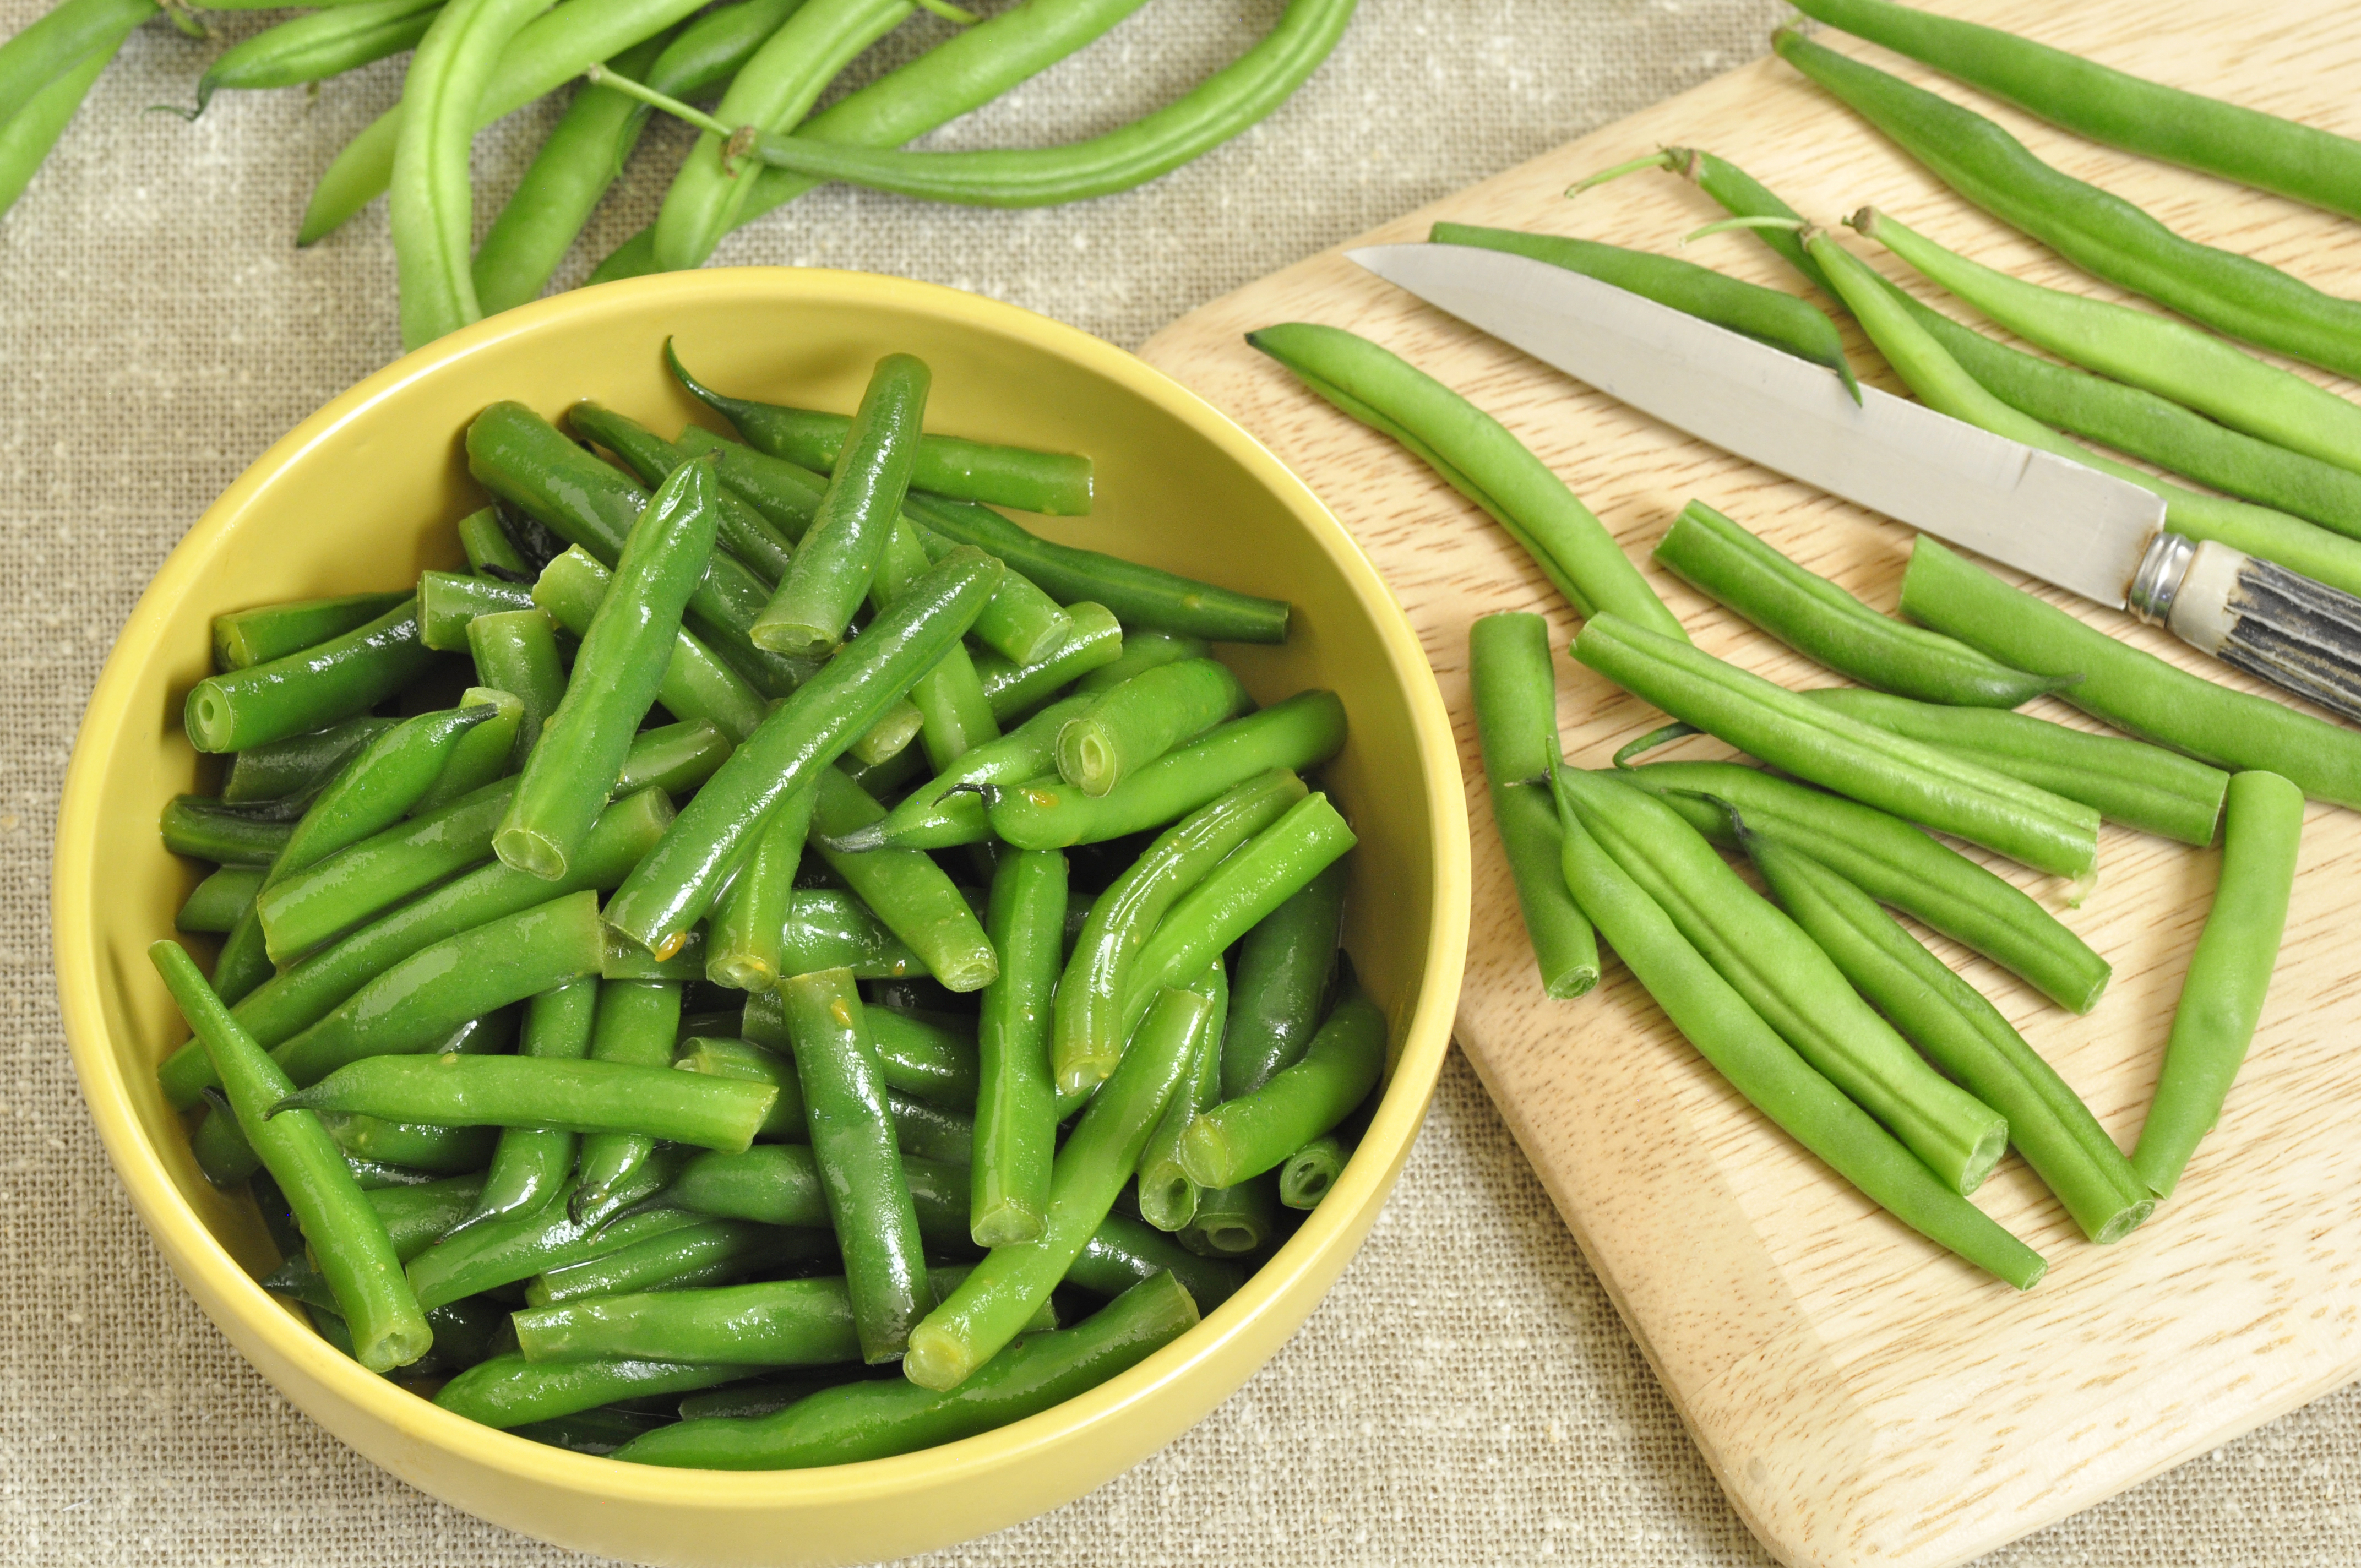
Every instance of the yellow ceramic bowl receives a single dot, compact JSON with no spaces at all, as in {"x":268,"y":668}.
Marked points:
{"x":363,"y":495}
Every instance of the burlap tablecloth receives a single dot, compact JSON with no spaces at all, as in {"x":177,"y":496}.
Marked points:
{"x":1464,"y":1395}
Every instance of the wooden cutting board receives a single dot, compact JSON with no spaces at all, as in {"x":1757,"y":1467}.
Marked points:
{"x":1862,"y":1397}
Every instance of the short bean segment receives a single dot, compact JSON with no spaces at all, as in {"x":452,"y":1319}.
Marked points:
{"x":2123,"y":781}
{"x":296,"y":766}
{"x":990,"y":1308}
{"x":861,"y":1167}
{"x":215,"y":904}
{"x":1766,"y":315}
{"x":1516,"y":728}
{"x":2222,"y":995}
{"x":516,"y":652}
{"x":779,"y":1184}
{"x":248,"y":637}
{"x":1284,"y":966}
{"x":744,"y":529}
{"x":1812,"y":615}
{"x":532,"y":1163}
{"x":311,"y":689}
{"x":1896,"y":864}
{"x":1017,"y":1107}
{"x":1966,"y":1037}
{"x":1095,"y":642}
{"x":1786,"y":979}
{"x":696,"y":682}
{"x":948,"y":809}
{"x":742,"y":945}
{"x":1300,"y":733}
{"x":448,"y":602}
{"x":1765,"y":1069}
{"x":1249,"y":1134}
{"x":1237,"y":1221}
{"x":1167,"y":1194}
{"x":1132,"y":724}
{"x":1880,"y":769}
{"x":1480,"y":458}
{"x":911,"y":893}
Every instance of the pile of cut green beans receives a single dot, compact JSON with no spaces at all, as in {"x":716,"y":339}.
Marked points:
{"x":772,"y":919}
{"x":764,"y":63}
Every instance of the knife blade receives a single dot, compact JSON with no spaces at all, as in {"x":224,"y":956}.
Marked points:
{"x":2088,"y":532}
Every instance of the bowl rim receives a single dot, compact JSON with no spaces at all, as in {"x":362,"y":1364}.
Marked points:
{"x":195,"y":1254}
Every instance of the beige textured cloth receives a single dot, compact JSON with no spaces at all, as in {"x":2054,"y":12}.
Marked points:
{"x":1466,"y":1394}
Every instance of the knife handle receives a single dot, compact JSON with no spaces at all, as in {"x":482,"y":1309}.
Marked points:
{"x":2254,"y":616}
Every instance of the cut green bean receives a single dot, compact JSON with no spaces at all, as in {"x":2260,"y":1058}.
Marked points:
{"x":501,"y":1252}
{"x":1311,"y":1172}
{"x":483,"y":754}
{"x":315,"y":904}
{"x":780,"y":1323}
{"x":1246,"y":1135}
{"x":1095,"y":642}
{"x":1124,"y":1251}
{"x":908,"y":892}
{"x":779,"y":1184}
{"x":1132,"y":724}
{"x":516,"y":652}
{"x":721,"y":1252}
{"x":448,"y":601}
{"x":1516,"y":728}
{"x":217,"y":902}
{"x":248,"y":637}
{"x":1284,"y":965}
{"x":1237,"y":1221}
{"x":638,"y":1021}
{"x":510,"y":1391}
{"x":827,"y":929}
{"x":696,"y":682}
{"x":590,"y":1097}
{"x":948,"y":809}
{"x":1167,"y":1194}
{"x":205,"y":829}
{"x":929,"y":1057}
{"x":743,"y":529}
{"x":740,"y":1060}
{"x":308,"y":690}
{"x":299,"y":764}
{"x":532,"y":1163}
{"x":743,"y":942}
{"x":415,"y":1146}
{"x":1016,"y":1105}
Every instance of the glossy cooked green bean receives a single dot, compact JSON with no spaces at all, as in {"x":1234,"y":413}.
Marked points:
{"x":1915,"y":782}
{"x":780,"y":1323}
{"x":413,"y":1146}
{"x":741,"y":946}
{"x":415,"y":1004}
{"x":510,"y":1391}
{"x":1965,"y":1035}
{"x":719,"y":1252}
{"x":1479,"y":457}
{"x":1893,"y":863}
{"x":597,"y":1096}
{"x":930,"y":1058}
{"x":1311,"y":1172}
{"x":207,"y":829}
{"x":215,"y":904}
{"x":2229,"y":975}
{"x":779,"y":1184}
{"x":1251,"y":1133}
{"x":696,"y":682}
{"x":1124,"y":1251}
{"x":389,"y":777}
{"x":674,"y":758}
{"x":516,"y":652}
{"x":345,"y":1233}
{"x":2129,"y":782}
{"x":1017,"y":1100}
{"x":1237,"y":1221}
{"x":1048,"y":813}
{"x":1094,"y":643}
{"x":447,"y":601}
{"x":913,"y":895}
{"x":532,"y":1163}
{"x":1126,"y":728}
{"x":948,"y":809}
{"x":976,"y":1321}
{"x":1284,"y":965}
{"x":1810,"y":614}
{"x":2114,"y":107}
{"x":1783,"y":321}
{"x":879,"y":1418}
{"x":518,"y":1246}
{"x":1943,"y":384}
{"x":638,"y":1021}
{"x":955,"y":715}
{"x":2096,"y":230}
{"x":869,"y":1202}
{"x":2136,"y":692}
{"x":1766,"y":1070}
{"x":745,"y":531}
{"x":490,"y":548}
{"x":1515,"y":694}
{"x":416,"y":1217}
{"x":828,"y":930}
{"x":1089,"y":1030}
{"x":300,"y":995}
{"x":483,"y":754}
{"x":321,"y":902}
{"x":248,"y":637}
{"x":1786,"y":979}
{"x":676,"y":884}
{"x":1167,"y":1193}
{"x":740,"y":1060}
{"x":308,"y":690}
{"x":299,"y":764}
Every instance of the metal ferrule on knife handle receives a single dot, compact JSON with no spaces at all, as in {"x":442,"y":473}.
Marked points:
{"x":2255,"y":615}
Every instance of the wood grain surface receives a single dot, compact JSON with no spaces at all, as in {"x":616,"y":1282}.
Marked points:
{"x":1864,"y":1397}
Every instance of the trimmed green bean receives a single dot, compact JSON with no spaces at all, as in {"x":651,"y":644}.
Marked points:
{"x":1913,"y":781}
{"x":1965,"y":1035}
{"x":416,"y":1217}
{"x":532,"y":1163}
{"x":415,"y":1146}
{"x":248,"y":637}
{"x":518,"y":1246}
{"x":637,"y":1023}
{"x":948,"y":809}
{"x":1284,"y":964}
{"x":483,"y":753}
{"x":345,"y":1233}
{"x":1237,"y":1221}
{"x":742,"y":945}
{"x":216,"y":904}
{"x":869,"y":1202}
{"x":740,"y":1060}
{"x":597,"y":1096}
{"x":299,"y":764}
{"x":696,"y":682}
{"x":2222,"y":995}
{"x":1124,"y":1251}
{"x":1255,"y":1131}
{"x":449,"y":601}
{"x":721,"y":1252}
{"x":913,"y":896}
{"x":1309,"y":1173}
{"x":1893,"y":863}
{"x":779,"y":1184}
{"x":1048,"y":814}
{"x":311,"y":689}
{"x":1810,"y":614}
{"x":516,"y":652}
{"x":1479,"y":457}
{"x":1133,"y":724}
{"x":1168,"y":1195}
{"x":490,"y":552}
{"x":744,"y":530}
{"x":1515,"y":696}
{"x":827,"y":929}
{"x":1016,"y":1104}
{"x":674,"y":758}
{"x":1095,"y":642}
{"x":929,"y":1058}
{"x":207,"y":829}
{"x":976,"y":1320}
{"x":319,"y":903}
{"x":879,"y":1418}
{"x":389,"y":777}
{"x":2129,"y":782}
{"x":780,"y":1323}
{"x":2136,"y":692}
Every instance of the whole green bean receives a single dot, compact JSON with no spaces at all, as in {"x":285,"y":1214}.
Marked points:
{"x":2136,"y":692}
{"x":345,"y":1233}
{"x":1766,"y":315}
{"x":879,"y":1418}
{"x":1515,"y":696}
{"x":416,"y":1004}
{"x":1785,"y":978}
{"x":1237,"y":1220}
{"x":1132,"y":724}
{"x":1016,"y":1104}
{"x":448,"y":601}
{"x":1139,"y":595}
{"x":53,"y":46}
{"x":2114,"y":107}
{"x":248,"y":637}
{"x":948,"y":809}
{"x":1812,"y":615}
{"x":1255,"y":1131}
{"x":637,"y":1023}
{"x":1965,"y":1035}
{"x":2097,"y":231}
{"x":314,"y":48}
{"x":1915,"y":782}
{"x":516,"y":652}
{"x":1479,"y":457}
{"x":1095,"y":642}
{"x":532,"y":1163}
{"x":2229,"y":973}
{"x":1124,"y":1251}
{"x":1048,"y":814}
{"x":299,"y":764}
{"x":311,"y":689}
{"x":217,"y":902}
{"x":2129,"y":782}
{"x":827,"y":929}
{"x":389,"y":776}
{"x":1896,"y":864}
{"x":990,"y":1307}
{"x":510,"y":1391}
{"x":1088,"y":1029}
{"x":779,"y":1184}
{"x":742,"y":945}
{"x":696,"y":682}
{"x":1764,"y":1068}
{"x":906,"y":889}
{"x":676,"y":884}
{"x":1167,"y":1196}
{"x":719,"y":1252}
{"x":869,"y":1202}
{"x":1284,"y":964}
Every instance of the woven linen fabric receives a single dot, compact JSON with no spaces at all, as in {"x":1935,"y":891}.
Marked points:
{"x":1464,"y":1395}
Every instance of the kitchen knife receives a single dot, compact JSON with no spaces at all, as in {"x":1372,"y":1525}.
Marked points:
{"x":2088,"y":532}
